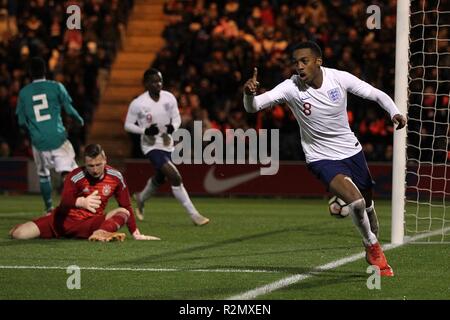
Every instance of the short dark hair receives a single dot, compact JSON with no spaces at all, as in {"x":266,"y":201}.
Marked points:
{"x":93,"y":150}
{"x":308,"y":45}
{"x":148,"y":73}
{"x":37,"y":68}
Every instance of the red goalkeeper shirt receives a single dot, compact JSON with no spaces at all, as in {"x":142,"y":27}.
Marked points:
{"x":79,"y":183}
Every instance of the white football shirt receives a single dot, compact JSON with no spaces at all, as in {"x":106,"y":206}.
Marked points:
{"x":145,"y":111}
{"x":322,"y":113}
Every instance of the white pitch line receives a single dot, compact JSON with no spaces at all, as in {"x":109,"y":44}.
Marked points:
{"x":140,"y":269}
{"x":252,"y":294}
{"x":13,"y":214}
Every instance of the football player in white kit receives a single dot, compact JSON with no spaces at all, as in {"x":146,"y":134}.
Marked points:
{"x":318,"y":98}
{"x":155,"y":116}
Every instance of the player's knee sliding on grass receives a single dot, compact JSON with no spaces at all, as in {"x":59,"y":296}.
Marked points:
{"x":157,"y":117}
{"x":25,"y":231}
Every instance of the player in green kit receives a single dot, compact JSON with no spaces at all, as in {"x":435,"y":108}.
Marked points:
{"x":39,"y":112}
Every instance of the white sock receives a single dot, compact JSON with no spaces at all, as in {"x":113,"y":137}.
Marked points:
{"x":181,"y":194}
{"x":149,"y":190}
{"x":360,"y":219}
{"x":372,"y":206}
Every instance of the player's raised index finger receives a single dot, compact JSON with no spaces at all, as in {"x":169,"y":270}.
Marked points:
{"x":255,"y":73}
{"x":94,"y":193}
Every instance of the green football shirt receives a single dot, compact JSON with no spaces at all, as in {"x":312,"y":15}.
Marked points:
{"x":39,"y":110}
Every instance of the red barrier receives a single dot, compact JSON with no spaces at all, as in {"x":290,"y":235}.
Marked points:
{"x":292,"y":179}
{"x":14,"y":174}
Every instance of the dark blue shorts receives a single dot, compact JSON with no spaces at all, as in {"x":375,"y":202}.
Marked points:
{"x":158,"y":157}
{"x":354,"y":167}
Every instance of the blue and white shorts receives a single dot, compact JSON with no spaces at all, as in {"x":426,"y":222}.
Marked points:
{"x":354,"y":167}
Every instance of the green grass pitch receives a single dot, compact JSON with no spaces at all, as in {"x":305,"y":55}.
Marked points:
{"x":248,"y":244}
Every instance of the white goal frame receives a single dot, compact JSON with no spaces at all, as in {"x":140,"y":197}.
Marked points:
{"x":401,"y":100}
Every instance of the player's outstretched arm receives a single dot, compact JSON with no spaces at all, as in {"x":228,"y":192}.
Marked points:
{"x":389,"y":105}
{"x":254,"y":103}
{"x":252,"y":84}
{"x":367,"y":91}
{"x":250,"y":88}
{"x":399,"y":120}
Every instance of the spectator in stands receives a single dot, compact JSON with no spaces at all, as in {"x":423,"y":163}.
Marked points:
{"x":223,"y":55}
{"x":36,"y":28}
{"x":4,"y":148}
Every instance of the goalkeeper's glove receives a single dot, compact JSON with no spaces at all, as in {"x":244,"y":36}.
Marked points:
{"x":91,"y":202}
{"x":152,"y":130}
{"x":170,"y":128}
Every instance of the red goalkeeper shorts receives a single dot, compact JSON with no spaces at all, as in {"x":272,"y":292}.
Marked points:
{"x":50,"y":227}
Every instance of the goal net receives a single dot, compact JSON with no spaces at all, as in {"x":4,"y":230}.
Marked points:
{"x":427,"y":194}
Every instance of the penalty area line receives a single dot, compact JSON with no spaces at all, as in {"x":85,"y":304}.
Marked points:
{"x":137,"y":269}
{"x":287,"y":281}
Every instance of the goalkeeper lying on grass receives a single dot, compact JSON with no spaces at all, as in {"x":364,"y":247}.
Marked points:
{"x":81,"y":211}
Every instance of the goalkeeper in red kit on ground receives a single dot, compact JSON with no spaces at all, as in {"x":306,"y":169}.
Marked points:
{"x":81,"y":212}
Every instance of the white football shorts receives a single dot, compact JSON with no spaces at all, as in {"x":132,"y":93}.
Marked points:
{"x":61,"y":159}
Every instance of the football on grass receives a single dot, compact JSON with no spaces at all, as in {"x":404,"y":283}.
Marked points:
{"x":335,"y":205}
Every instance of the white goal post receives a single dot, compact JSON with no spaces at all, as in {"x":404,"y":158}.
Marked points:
{"x":420,"y":179}
{"x":401,"y":100}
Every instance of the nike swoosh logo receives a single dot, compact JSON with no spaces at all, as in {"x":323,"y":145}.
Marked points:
{"x":214,"y":185}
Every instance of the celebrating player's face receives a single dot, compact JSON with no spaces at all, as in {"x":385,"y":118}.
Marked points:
{"x":154,"y":83}
{"x":95,"y":166}
{"x":306,"y":64}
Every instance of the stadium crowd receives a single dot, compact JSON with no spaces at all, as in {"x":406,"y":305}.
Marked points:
{"x":211,"y":48}
{"x":80,"y":59}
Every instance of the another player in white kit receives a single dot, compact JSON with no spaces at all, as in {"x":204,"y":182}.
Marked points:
{"x":318,"y":98}
{"x":155,"y":116}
